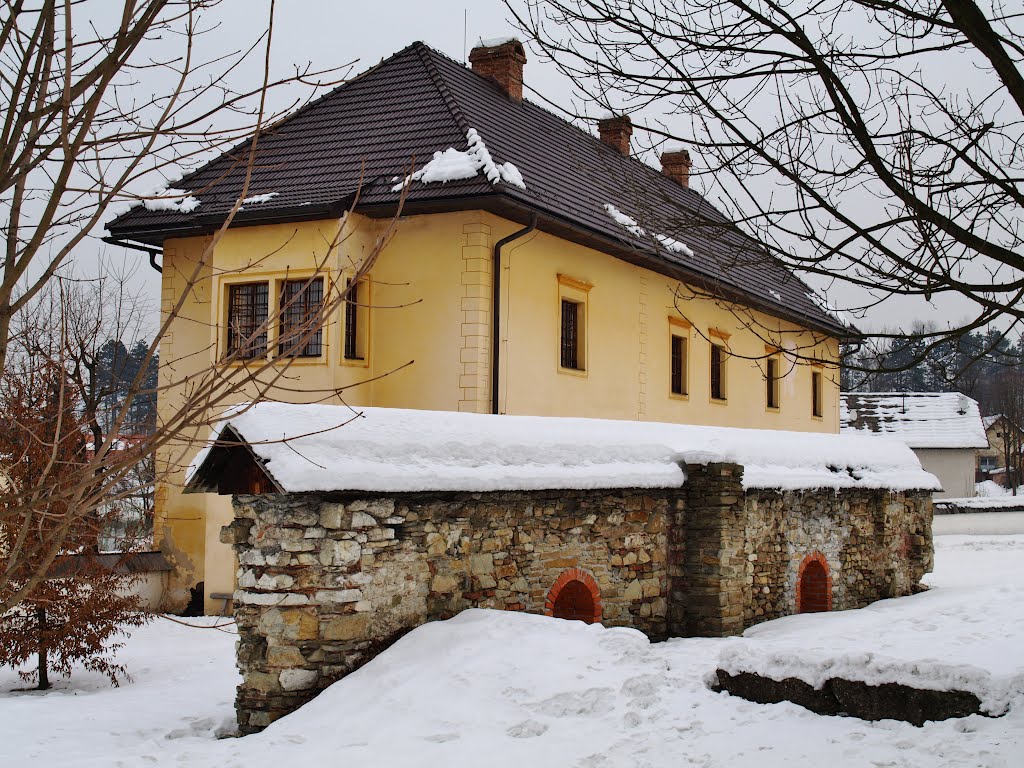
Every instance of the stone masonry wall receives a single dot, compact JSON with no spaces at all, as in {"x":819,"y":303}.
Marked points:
{"x":744,"y":549}
{"x":327,"y":582}
{"x":876,"y":545}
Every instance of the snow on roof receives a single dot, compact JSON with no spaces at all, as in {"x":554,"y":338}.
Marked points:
{"x":454,"y":164}
{"x":988,"y":421}
{"x":328,"y":447}
{"x":266,"y":197}
{"x":920,"y":419}
{"x":171,"y":200}
{"x":633,"y":227}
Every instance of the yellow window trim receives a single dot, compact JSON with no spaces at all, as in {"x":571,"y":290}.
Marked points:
{"x":718,"y":333}
{"x":274,"y":279}
{"x":679,"y":322}
{"x":573,"y":282}
{"x":364,"y":308}
{"x":677,"y":326}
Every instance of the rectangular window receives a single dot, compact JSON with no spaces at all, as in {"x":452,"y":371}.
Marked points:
{"x":352,"y":351}
{"x":771,"y":374}
{"x":678,"y":365}
{"x":571,"y":335}
{"x":247,"y":320}
{"x":717,"y":372}
{"x":301,"y":307}
{"x":816,"y":393}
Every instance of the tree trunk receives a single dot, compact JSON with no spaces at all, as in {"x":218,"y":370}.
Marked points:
{"x":44,"y":673}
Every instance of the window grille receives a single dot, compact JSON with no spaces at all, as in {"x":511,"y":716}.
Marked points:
{"x":570,"y":334}
{"x":717,"y":372}
{"x":247,"y":318}
{"x":302,"y":303}
{"x":678,"y":365}
{"x":352,"y":321}
{"x":772,"y":381}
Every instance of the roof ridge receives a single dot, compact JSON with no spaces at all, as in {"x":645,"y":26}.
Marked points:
{"x":442,"y":87}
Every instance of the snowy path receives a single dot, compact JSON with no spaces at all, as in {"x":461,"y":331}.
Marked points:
{"x":502,"y":689}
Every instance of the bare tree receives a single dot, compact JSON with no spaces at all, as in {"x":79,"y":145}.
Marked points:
{"x":77,"y":137}
{"x":876,"y":143}
{"x":1008,"y":400}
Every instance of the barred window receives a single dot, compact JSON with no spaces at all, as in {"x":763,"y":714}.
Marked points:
{"x":247,"y":319}
{"x":772,"y":381}
{"x":717,"y":372}
{"x":571,"y":335}
{"x":352,"y":351}
{"x":302,"y":304}
{"x":678,"y":365}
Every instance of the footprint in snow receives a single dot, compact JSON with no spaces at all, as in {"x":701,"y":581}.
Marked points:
{"x":642,"y":690}
{"x":441,"y":738}
{"x":527,"y":729}
{"x":592,"y":702}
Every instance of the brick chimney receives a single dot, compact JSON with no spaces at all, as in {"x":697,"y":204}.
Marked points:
{"x":615,"y":132}
{"x":502,"y":61}
{"x":676,"y":165}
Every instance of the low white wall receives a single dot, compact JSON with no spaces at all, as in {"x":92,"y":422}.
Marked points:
{"x":953,"y":466}
{"x":149,"y":587}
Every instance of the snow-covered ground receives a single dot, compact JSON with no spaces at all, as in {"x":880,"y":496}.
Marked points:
{"x":501,"y":689}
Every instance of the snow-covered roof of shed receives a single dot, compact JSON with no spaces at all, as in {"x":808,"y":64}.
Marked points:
{"x":920,"y":419}
{"x":334,"y":448}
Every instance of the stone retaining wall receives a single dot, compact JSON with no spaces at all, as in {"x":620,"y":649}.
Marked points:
{"x":327,"y":581}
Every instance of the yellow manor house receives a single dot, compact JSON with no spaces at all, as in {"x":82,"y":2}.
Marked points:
{"x":480,"y":254}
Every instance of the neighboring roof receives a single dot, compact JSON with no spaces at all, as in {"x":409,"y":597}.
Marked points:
{"x":920,"y":419}
{"x":335,"y":448}
{"x":109,"y":562}
{"x":419,"y":102}
{"x":988,"y":421}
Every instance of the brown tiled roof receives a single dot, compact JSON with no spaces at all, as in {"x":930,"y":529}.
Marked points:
{"x":392,"y":118}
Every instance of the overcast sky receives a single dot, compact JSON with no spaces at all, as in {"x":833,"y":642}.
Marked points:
{"x":330,"y":33}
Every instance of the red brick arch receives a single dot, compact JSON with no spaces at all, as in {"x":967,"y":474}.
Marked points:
{"x":814,"y":585}
{"x":574,"y":595}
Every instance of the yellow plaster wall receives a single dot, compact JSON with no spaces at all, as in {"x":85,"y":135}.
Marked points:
{"x":429,"y":344}
{"x":628,"y":363}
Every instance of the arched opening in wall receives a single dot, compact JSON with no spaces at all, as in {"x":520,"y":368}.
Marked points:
{"x":575,"y":596}
{"x":814,"y":585}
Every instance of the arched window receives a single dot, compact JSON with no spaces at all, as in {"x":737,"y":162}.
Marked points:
{"x":814,"y":585}
{"x":574,"y":595}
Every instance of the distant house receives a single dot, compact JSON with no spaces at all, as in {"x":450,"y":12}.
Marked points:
{"x":944,"y":429}
{"x":1002,"y":452}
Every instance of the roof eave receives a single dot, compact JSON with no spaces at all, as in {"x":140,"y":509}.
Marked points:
{"x":202,"y":226}
{"x":502,"y":203}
